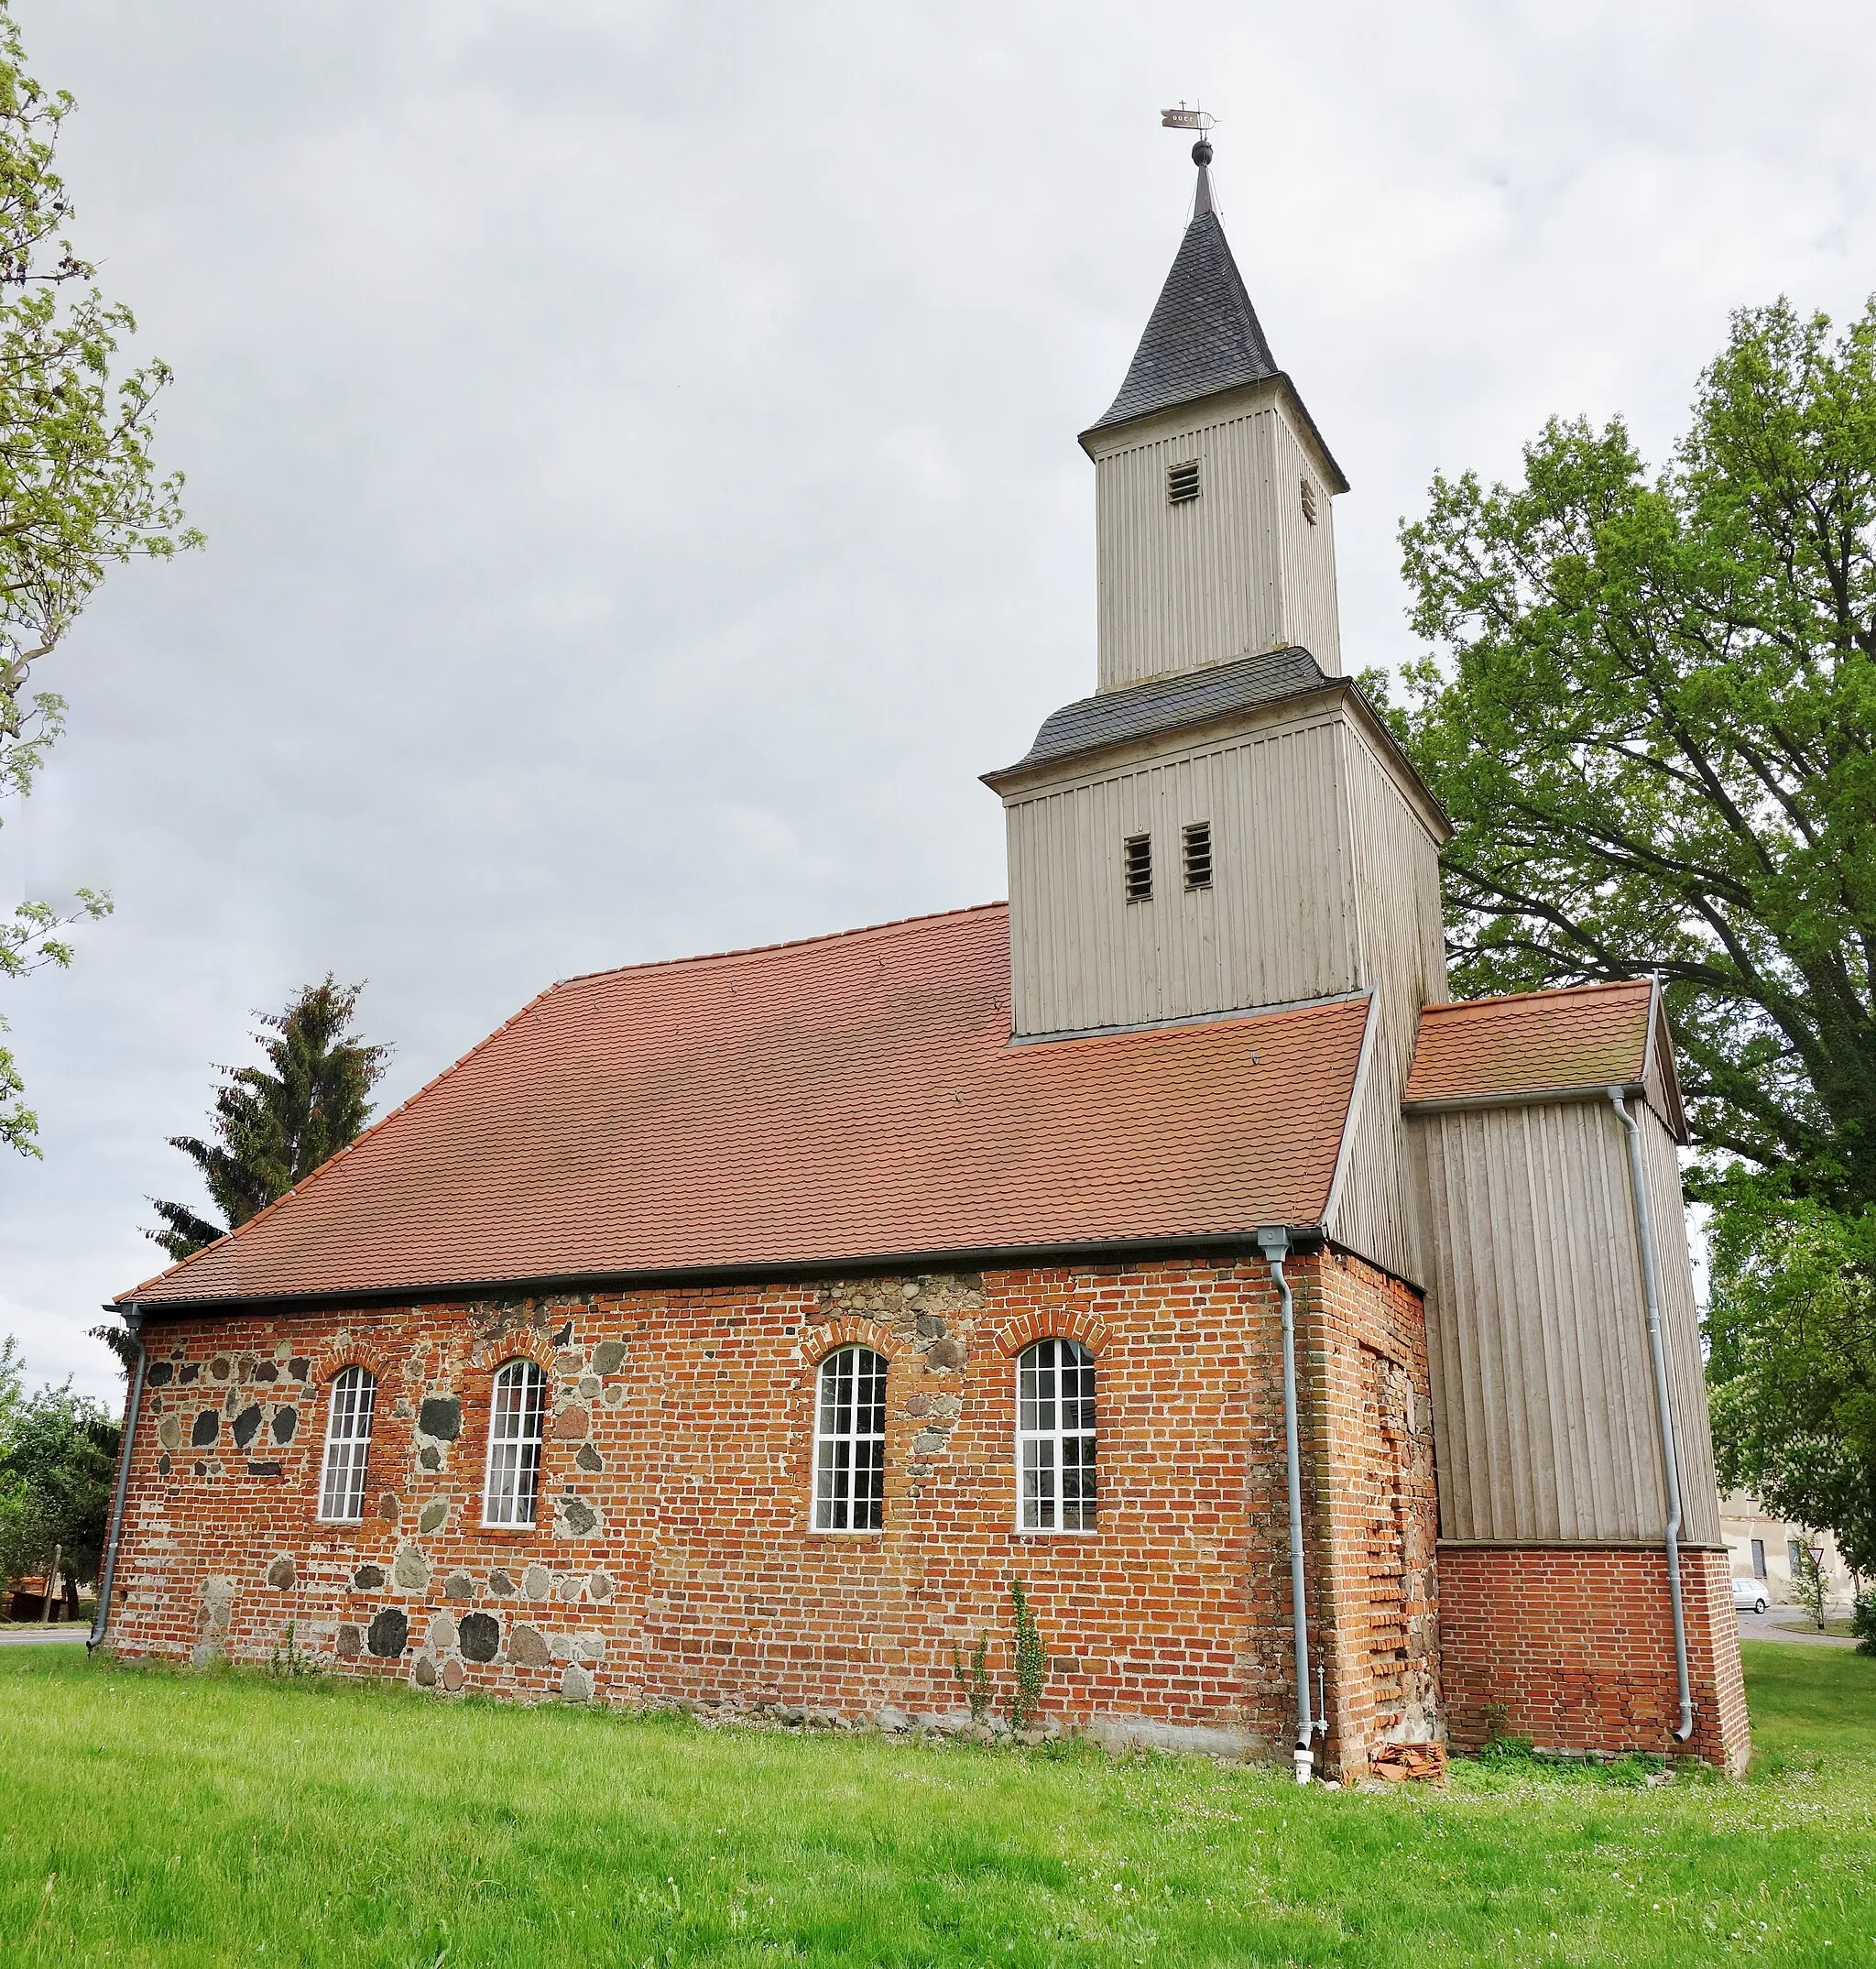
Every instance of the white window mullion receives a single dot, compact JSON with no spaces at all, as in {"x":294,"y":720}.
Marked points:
{"x":1055,"y":1438}
{"x":348,"y":1444}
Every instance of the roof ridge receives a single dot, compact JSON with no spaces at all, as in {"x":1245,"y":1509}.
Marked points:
{"x":791,"y":943}
{"x":1525,"y":998}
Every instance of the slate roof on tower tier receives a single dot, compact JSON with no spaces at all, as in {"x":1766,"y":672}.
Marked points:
{"x":850,"y":1098}
{"x":1203,"y":335}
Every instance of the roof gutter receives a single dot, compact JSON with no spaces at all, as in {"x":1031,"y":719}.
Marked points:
{"x":1671,"y":1469}
{"x":100,"y":1619}
{"x":974,"y":1258}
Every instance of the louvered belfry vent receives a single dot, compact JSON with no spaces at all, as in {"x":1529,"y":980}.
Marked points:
{"x":1198,"y":855}
{"x":1182,"y":483}
{"x":1137,"y":867}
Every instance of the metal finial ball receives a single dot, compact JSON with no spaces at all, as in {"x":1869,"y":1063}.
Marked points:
{"x":1201,"y":153}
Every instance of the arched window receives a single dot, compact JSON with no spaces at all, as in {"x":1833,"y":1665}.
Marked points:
{"x":850,"y":1442}
{"x":516,"y":1422}
{"x":348,"y":1441}
{"x":1055,"y":1437}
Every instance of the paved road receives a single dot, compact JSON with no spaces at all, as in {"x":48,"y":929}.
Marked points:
{"x":30,"y":1637}
{"x":1786,"y":1624}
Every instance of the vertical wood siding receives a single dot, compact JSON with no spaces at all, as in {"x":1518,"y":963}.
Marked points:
{"x":1402,"y":959}
{"x":1236,"y":571}
{"x":1278,"y":923}
{"x":1680,"y":1318}
{"x":1543,"y":1392}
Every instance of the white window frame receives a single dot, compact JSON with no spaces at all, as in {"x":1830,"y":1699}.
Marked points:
{"x":517,"y":1430}
{"x":350,"y":1403}
{"x":843,"y":1449}
{"x":1037,"y":1432}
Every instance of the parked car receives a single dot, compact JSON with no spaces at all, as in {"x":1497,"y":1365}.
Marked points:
{"x":1748,"y":1595}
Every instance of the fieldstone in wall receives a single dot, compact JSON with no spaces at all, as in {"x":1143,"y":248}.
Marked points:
{"x":286,"y":1420}
{"x":480,"y":1635}
{"x":571,"y":1423}
{"x":214,"y":1613}
{"x":191,"y":1371}
{"x":390,"y":1630}
{"x":501,"y":1585}
{"x":221,"y":1367}
{"x":389,"y":1508}
{"x":410,"y":1570}
{"x":599,"y":1587}
{"x":207,"y":1426}
{"x":424,"y":1673}
{"x":247,"y":1425}
{"x":537,"y":1582}
{"x":432,"y":1517}
{"x":588,"y":1459}
{"x":945,"y":1353}
{"x":575,"y":1517}
{"x":282,"y":1573}
{"x":442,"y":1636}
{"x":608,"y":1357}
{"x":429,"y":1457}
{"x":349,"y":1643}
{"x":368,"y":1578}
{"x":453,"y":1677}
{"x":265,"y":1371}
{"x":576,"y":1684}
{"x":527,"y":1647}
{"x":300,"y":1367}
{"x":170,"y":1432}
{"x":159,"y":1374}
{"x":441,"y":1417}
{"x":459,"y":1586}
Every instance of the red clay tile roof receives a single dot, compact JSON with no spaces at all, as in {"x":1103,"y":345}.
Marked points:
{"x":852,"y":1097}
{"x":1587,"y":1036}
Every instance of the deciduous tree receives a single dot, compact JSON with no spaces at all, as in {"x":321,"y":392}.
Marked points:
{"x":79,"y":486}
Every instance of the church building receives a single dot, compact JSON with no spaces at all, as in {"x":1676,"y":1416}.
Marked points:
{"x":1318,"y":1354}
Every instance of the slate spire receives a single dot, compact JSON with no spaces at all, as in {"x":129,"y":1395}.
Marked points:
{"x":1203,"y":334}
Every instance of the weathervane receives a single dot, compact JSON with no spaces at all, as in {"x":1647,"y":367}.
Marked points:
{"x":1195,"y":119}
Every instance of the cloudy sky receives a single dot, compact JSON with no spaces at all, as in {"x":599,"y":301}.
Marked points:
{"x":637,"y":448}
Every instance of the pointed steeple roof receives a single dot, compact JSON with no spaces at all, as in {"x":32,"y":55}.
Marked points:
{"x":1203,"y":335}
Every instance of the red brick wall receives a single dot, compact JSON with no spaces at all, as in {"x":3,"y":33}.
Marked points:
{"x":674,"y":1558}
{"x":1577,"y":1645}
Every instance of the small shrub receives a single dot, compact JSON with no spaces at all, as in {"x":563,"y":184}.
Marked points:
{"x":293,"y":1663}
{"x":975,"y":1680}
{"x":1495,"y":1721}
{"x":1031,"y":1660}
{"x":1863,"y":1621}
{"x":1810,"y":1589}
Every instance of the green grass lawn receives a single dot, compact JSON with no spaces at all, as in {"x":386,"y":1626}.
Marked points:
{"x":162,"y":1817}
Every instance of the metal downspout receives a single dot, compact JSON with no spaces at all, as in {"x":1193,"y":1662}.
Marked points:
{"x":1274,"y":1240}
{"x":133,"y":1320}
{"x":1638,"y":1183}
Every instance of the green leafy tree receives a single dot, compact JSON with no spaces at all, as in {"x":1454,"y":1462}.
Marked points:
{"x":1649,"y":704}
{"x":57,"y":1469}
{"x":273,"y":1126}
{"x":1650,"y":708}
{"x":1792,"y":1333}
{"x":78,"y":487}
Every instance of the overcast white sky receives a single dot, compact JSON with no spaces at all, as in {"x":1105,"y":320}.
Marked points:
{"x":637,"y":448}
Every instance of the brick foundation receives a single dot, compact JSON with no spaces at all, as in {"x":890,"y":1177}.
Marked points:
{"x":673,"y":1558}
{"x":1577,"y":1644}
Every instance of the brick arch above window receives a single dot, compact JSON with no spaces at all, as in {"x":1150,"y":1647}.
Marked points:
{"x":826,"y":1338}
{"x":330,"y":1362}
{"x":523,"y":1344}
{"x":1053,"y":1323}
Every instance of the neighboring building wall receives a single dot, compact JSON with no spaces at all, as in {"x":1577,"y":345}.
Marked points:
{"x":1543,"y":1388}
{"x":1236,"y":571}
{"x":1573,"y":1648}
{"x":675,"y":1559}
{"x":1744,"y":1521}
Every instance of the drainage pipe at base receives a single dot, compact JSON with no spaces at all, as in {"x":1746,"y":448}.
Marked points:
{"x":1274,"y":1240}
{"x":133,"y":1320}
{"x":1638,"y":1183}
